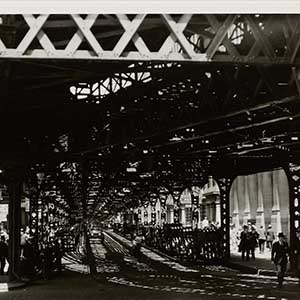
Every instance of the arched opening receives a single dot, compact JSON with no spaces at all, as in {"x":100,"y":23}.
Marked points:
{"x":260,"y":200}
{"x":170,"y":209}
{"x":210,"y":207}
{"x":185,"y":208}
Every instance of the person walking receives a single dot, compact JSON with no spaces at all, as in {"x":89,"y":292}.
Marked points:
{"x":253,"y":236}
{"x":244,"y":245}
{"x":3,"y":254}
{"x":280,"y":253}
{"x":261,"y":239}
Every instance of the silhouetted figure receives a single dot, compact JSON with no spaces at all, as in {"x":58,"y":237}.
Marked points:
{"x":136,"y":245}
{"x":3,"y":254}
{"x":28,"y":259}
{"x":253,"y":236}
{"x":244,"y":246}
{"x":280,"y":252}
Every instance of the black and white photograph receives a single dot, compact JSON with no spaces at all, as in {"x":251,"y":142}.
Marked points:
{"x":149,"y":151}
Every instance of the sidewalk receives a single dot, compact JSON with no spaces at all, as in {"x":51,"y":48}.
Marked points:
{"x":262,"y":265}
{"x":7,"y":286}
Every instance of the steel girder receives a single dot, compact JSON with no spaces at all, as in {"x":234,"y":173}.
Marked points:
{"x":253,"y":39}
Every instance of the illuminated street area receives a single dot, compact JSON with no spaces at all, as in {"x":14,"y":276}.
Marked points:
{"x":126,"y":278}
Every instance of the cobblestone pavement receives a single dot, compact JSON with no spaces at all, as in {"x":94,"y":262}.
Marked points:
{"x":122,"y":276}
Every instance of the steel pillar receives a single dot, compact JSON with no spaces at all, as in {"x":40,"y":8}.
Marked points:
{"x":14,"y":218}
{"x":224,"y":186}
{"x":293,"y":175}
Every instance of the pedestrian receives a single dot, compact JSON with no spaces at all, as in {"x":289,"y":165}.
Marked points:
{"x":280,"y":253}
{"x":270,"y":237}
{"x":3,"y":254}
{"x":205,"y":222}
{"x":261,"y":239}
{"x":28,"y":259}
{"x":244,"y":245}
{"x":253,"y":236}
{"x":297,"y":254}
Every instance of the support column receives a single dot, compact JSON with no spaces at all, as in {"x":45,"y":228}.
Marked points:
{"x":15,"y":187}
{"x":247,"y":211}
{"x":218,"y":211}
{"x":260,"y":212}
{"x":293,"y":175}
{"x":171,"y":221}
{"x":235,"y":211}
{"x":276,"y":217}
{"x":182,"y":214}
{"x":224,"y":186}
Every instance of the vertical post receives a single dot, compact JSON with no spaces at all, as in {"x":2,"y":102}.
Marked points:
{"x":247,"y":210}
{"x":260,"y":211}
{"x":224,"y":186}
{"x":14,"y":219}
{"x":293,"y":175}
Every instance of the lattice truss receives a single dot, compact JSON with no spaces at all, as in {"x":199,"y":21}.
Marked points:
{"x":204,"y":38}
{"x":241,"y":60}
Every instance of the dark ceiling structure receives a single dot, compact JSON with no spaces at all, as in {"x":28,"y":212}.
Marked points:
{"x":126,"y":106}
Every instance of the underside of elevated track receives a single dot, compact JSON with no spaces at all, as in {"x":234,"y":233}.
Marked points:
{"x":100,"y":113}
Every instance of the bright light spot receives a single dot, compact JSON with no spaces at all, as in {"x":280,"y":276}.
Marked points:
{"x":3,"y":288}
{"x":73,"y":90}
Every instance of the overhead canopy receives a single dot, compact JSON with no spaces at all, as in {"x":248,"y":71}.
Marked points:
{"x":150,"y":101}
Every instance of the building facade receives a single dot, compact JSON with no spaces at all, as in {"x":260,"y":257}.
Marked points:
{"x":261,"y":199}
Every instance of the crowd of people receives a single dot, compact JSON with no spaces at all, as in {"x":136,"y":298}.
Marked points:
{"x":251,"y":238}
{"x":30,"y":256}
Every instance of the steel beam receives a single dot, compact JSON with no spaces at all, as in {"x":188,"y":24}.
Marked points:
{"x":147,"y":32}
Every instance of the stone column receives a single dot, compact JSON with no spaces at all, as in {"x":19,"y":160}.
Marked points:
{"x":149,"y":210}
{"x":247,"y":211}
{"x":182,"y":214}
{"x":276,"y":217}
{"x":171,"y":214}
{"x":235,"y":204}
{"x":142,"y":214}
{"x":260,"y":214}
{"x":218,"y":210}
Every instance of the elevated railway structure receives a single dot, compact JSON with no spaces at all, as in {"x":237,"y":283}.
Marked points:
{"x":104,"y":112}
